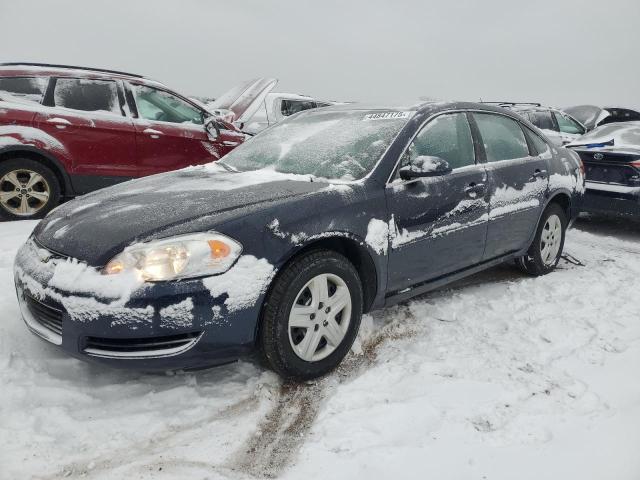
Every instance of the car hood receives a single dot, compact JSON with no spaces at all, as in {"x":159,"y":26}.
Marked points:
{"x":588,"y":115}
{"x":98,"y":226}
{"x":244,"y":99}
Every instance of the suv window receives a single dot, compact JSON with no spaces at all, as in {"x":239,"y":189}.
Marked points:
{"x":154,"y":104}
{"x":539,"y":144}
{"x":289,"y":107}
{"x":502,"y":137}
{"x":568,"y":124}
{"x":446,"y":136}
{"x":542,"y":120}
{"x":31,"y":88}
{"x":87,"y":95}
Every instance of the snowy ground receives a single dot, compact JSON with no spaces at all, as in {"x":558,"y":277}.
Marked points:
{"x":498,"y":377}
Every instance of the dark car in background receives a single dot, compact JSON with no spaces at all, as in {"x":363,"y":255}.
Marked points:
{"x":557,"y":125}
{"x":284,"y":243}
{"x":66,"y":131}
{"x":611,"y":155}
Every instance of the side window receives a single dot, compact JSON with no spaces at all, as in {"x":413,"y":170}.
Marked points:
{"x":87,"y":95}
{"x":154,"y":104}
{"x":539,"y":144}
{"x":542,"y":120}
{"x":446,"y":136}
{"x":568,"y":124}
{"x":31,"y":88}
{"x":289,"y":107}
{"x":502,"y":137}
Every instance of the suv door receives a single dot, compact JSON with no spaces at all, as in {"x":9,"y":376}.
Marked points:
{"x":170,"y":132}
{"x":518,"y":183}
{"x":439,"y":224}
{"x":89,"y":121}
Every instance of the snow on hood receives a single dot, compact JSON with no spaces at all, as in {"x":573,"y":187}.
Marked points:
{"x":101,"y":224}
{"x":624,"y":135}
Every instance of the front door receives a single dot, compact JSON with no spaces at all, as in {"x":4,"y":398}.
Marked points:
{"x":518,"y":182}
{"x":438,"y":224}
{"x":171,"y":134}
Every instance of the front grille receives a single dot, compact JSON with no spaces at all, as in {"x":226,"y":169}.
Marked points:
{"x":140,"y":347}
{"x":46,"y":315}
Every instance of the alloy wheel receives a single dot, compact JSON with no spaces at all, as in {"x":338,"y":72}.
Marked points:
{"x":320,"y":317}
{"x":550,"y":240}
{"x":24,"y":192}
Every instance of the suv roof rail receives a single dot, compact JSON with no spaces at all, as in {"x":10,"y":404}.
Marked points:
{"x":52,"y":65}
{"x":533,"y":104}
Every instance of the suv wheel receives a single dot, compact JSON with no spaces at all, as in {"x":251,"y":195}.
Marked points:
{"x":28,"y":189}
{"x":544,"y":253}
{"x":311,"y":315}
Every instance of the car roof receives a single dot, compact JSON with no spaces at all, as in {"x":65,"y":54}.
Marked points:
{"x":18,"y":69}
{"x":422,"y":107}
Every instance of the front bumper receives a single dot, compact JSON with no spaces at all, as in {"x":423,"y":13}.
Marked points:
{"x":611,"y":199}
{"x":163,"y":326}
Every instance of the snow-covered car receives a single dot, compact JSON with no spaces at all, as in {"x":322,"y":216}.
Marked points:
{"x":286,"y":242}
{"x":592,"y":116}
{"x":560,"y":127}
{"x":255,"y":107}
{"x":611,"y":155}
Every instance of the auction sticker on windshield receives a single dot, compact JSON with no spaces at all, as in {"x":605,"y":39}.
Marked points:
{"x":387,"y":115}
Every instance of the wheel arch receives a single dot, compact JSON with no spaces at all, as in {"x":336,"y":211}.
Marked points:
{"x":45,"y":158}
{"x":355,"y":251}
{"x":562,"y":198}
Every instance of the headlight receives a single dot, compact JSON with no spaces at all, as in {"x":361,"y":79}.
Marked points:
{"x":183,"y":256}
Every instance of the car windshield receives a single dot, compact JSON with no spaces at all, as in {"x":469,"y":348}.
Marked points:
{"x":328,"y":144}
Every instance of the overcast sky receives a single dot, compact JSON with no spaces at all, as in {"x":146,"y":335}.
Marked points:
{"x":559,"y":52}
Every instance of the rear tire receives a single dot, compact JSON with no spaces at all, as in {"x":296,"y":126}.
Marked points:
{"x":28,"y":189}
{"x":311,"y":339}
{"x":545,"y":251}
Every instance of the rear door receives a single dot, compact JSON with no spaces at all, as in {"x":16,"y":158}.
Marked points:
{"x":518,"y":183}
{"x":438,"y":224}
{"x":170,"y":132}
{"x":89,"y":120}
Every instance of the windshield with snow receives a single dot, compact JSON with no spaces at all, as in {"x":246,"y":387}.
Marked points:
{"x":328,"y":144}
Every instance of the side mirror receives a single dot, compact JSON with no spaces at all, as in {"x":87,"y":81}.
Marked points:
{"x":425,"y":166}
{"x":212,"y":128}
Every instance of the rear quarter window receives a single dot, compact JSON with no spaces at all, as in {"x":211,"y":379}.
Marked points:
{"x":87,"y":95}
{"x":30,"y":88}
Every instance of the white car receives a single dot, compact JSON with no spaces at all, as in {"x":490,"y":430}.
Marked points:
{"x":559,"y":127}
{"x":252,"y":106}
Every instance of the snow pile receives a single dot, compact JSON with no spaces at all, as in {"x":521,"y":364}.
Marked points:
{"x":243,"y":283}
{"x":378,"y":236}
{"x":497,"y":374}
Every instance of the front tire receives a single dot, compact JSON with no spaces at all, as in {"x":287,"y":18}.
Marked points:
{"x":28,"y":189}
{"x":545,"y":251}
{"x":311,"y":315}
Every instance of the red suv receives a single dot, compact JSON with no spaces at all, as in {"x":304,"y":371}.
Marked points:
{"x":65,"y":131}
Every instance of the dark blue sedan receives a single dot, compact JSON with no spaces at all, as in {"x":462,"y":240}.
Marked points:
{"x":283,"y":244}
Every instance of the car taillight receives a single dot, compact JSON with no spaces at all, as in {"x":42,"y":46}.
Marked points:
{"x":635,"y":163}
{"x":582,"y":169}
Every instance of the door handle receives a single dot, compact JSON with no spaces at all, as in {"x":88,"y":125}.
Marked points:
{"x":538,"y":174}
{"x":60,"y":123}
{"x":152,"y":132}
{"x":474,"y":189}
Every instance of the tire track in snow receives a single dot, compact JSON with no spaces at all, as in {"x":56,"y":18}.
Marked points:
{"x":284,"y":430}
{"x":153,"y":446}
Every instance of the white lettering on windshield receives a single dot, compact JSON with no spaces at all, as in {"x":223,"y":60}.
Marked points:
{"x":386,"y":115}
